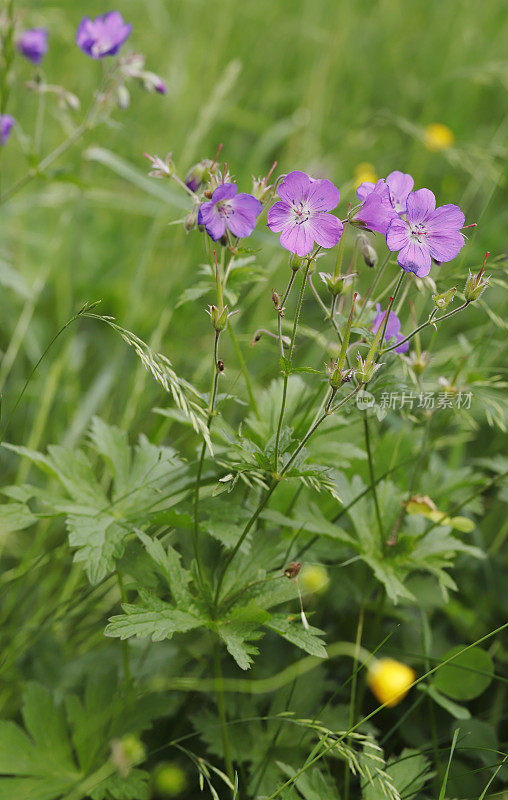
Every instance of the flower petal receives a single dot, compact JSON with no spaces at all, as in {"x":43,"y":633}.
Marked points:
{"x":448,"y":216}
{"x":247,"y":203}
{"x":392,"y":326}
{"x":364,"y":190}
{"x":377,"y":211}
{"x":445,"y":245}
{"x":322,"y":195}
{"x":240,"y":222}
{"x":297,"y":238}
{"x":420,"y":205}
{"x":403,"y":347}
{"x":224,"y":192}
{"x":212,"y":220}
{"x":294,"y":187}
{"x":400,"y":185}
{"x":326,"y":229}
{"x":415,"y":257}
{"x":279,"y":216}
{"x":397,"y":235}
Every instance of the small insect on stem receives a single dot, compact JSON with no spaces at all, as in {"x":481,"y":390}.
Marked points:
{"x":291,"y":572}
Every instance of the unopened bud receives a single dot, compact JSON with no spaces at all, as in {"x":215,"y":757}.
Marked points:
{"x":190,"y":221}
{"x":123,"y":97}
{"x":418,"y":363}
{"x":199,"y":174}
{"x":475,"y":286}
{"x":275,"y":299}
{"x":295,"y":262}
{"x":369,"y":254}
{"x":337,"y":284}
{"x":219,"y":318}
{"x":445,"y":298}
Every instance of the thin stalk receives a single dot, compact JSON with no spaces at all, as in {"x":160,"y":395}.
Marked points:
{"x":245,"y":371}
{"x":403,"y":275}
{"x":432,"y":320}
{"x":221,"y":708}
{"x":291,"y":350}
{"x":373,"y":479}
{"x":352,"y":702}
{"x":370,"y":290}
{"x":125,"y":642}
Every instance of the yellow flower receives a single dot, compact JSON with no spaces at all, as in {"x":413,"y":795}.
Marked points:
{"x":169,"y":779}
{"x":438,"y":137}
{"x":313,"y":578}
{"x":365,"y":172}
{"x":389,"y":680}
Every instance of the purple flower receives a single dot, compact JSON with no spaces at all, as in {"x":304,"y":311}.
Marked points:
{"x":426,"y":233}
{"x":6,"y":123}
{"x":377,"y":210}
{"x":300,"y":214}
{"x":227,"y":209}
{"x":102,"y":36}
{"x":399,"y":185}
{"x":33,"y":44}
{"x":392,"y":328}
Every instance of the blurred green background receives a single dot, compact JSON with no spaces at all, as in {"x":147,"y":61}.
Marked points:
{"x":319,"y":85}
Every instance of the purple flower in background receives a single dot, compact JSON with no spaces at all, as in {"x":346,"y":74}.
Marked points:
{"x":426,"y":233}
{"x":301,"y":213}
{"x":392,"y":328}
{"x":399,"y":185}
{"x":6,"y":123}
{"x":33,"y":44}
{"x":227,"y":209}
{"x":377,"y":210}
{"x":102,"y":36}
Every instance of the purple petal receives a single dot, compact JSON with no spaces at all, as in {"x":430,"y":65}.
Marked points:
{"x":415,"y":257}
{"x":212,"y":220}
{"x":247,"y":203}
{"x":403,"y":347}
{"x":6,"y":125}
{"x":400,"y":185}
{"x":294,"y":187}
{"x":297,"y":238}
{"x":364,"y":190}
{"x":322,"y":195}
{"x":397,"y":235}
{"x":224,"y":192}
{"x":279,"y":216}
{"x":445,"y":245}
{"x":420,"y":205}
{"x":326,"y":229}
{"x":33,"y":44}
{"x":240,"y":222}
{"x":377,"y":211}
{"x":448,"y":216}
{"x":392,"y":326}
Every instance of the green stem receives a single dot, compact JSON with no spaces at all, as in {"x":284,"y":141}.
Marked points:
{"x":403,"y":275}
{"x":125,"y":642}
{"x":370,"y":290}
{"x":373,"y":479}
{"x":352,"y":702}
{"x":245,"y":371}
{"x":431,"y":321}
{"x":221,"y":708}
{"x":290,"y":357}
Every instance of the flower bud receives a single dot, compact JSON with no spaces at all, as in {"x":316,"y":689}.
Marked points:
{"x":337,"y":284}
{"x":444,"y":299}
{"x":219,"y":318}
{"x":313,"y":578}
{"x":295,"y":262}
{"x":475,"y":286}
{"x":169,"y":779}
{"x":390,"y":681}
{"x":190,"y":221}
{"x":126,"y":753}
{"x":369,"y":254}
{"x":418,"y":363}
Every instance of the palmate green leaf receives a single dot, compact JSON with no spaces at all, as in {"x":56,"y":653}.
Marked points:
{"x":168,"y":560}
{"x":153,"y":618}
{"x":15,"y":517}
{"x":295,"y":633}
{"x":239,"y":629}
{"x":98,"y":540}
{"x":133,"y":786}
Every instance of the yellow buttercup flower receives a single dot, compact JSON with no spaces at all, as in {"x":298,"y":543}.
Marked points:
{"x":389,"y":680}
{"x":438,"y":137}
{"x":365,"y":172}
{"x":313,"y":578}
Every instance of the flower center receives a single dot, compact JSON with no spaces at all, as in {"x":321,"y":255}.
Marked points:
{"x":418,"y":232}
{"x":301,"y":213}
{"x":224,"y":209}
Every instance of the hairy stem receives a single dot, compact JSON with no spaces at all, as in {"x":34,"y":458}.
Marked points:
{"x":373,"y":479}
{"x":432,"y":320}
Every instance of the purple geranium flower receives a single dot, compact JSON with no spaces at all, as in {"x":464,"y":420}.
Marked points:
{"x":377,"y":210}
{"x":300,"y":214}
{"x":102,"y":36}
{"x":399,"y":185}
{"x":227,"y":209}
{"x":392,"y":328}
{"x":426,"y":233}
{"x":6,"y":124}
{"x":33,"y":44}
